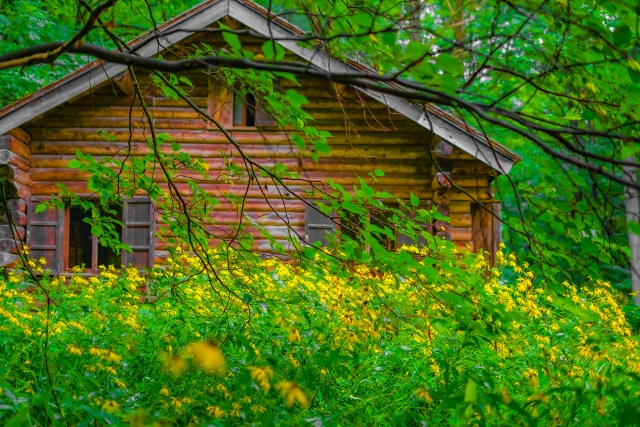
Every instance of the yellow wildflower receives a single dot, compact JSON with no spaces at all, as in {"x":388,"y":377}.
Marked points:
{"x":293,"y":393}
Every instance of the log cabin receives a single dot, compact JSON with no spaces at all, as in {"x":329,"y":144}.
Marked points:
{"x":421,"y":149}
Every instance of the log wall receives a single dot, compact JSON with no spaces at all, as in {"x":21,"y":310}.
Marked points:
{"x":367,"y":136}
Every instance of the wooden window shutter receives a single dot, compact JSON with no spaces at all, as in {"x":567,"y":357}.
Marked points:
{"x":262,"y":118}
{"x":139,"y":232}
{"x":44,"y":235}
{"x":220,"y":103}
{"x":317,"y":225}
{"x":406,"y":240}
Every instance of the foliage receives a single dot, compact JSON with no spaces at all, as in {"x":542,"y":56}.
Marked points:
{"x":351,"y":332}
{"x":280,"y":343}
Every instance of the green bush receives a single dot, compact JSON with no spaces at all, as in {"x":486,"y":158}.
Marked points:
{"x":313,"y":343}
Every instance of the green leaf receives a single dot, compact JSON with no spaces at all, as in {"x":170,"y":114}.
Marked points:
{"x":41,"y":207}
{"x":378,"y":172}
{"x":622,"y":35}
{"x":351,"y":207}
{"x":296,"y":99}
{"x":449,"y":64}
{"x":573,"y":114}
{"x":634,"y":226}
{"x":322,"y":147}
{"x":273,"y":51}
{"x":175,"y":146}
{"x":629,"y":149}
{"x":232,"y":40}
{"x":186,"y":81}
{"x":297,"y":139}
{"x":471,"y":391}
{"x":415,"y":50}
{"x":169,"y":93}
{"x":74,"y":163}
{"x":415,"y":201}
{"x":19,"y":419}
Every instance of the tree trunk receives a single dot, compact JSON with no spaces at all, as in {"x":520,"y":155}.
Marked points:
{"x":632,"y":208}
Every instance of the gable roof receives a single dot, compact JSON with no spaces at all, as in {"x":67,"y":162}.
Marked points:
{"x":260,"y":20}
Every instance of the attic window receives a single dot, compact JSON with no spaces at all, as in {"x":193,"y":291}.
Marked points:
{"x":244,"y":110}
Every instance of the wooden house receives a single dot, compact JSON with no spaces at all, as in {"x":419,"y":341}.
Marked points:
{"x":422,"y":151}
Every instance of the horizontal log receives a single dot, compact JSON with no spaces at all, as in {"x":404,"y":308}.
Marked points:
{"x":268,"y":218}
{"x":342,"y":178}
{"x":245,"y":136}
{"x":18,"y":218}
{"x":14,"y":190}
{"x":12,"y":173}
{"x":8,"y":246}
{"x":460,"y":233}
{"x":8,"y":260}
{"x":10,"y":158}
{"x":357,"y":166}
{"x":20,"y":135}
{"x":335,"y":124}
{"x":15,"y":205}
{"x":125,"y":101}
{"x":11,"y":143}
{"x":372,"y":152}
{"x":48,"y":188}
{"x":460,"y":220}
{"x":380,"y":117}
{"x":7,"y":232}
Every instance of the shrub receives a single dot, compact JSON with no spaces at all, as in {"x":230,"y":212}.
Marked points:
{"x":314,"y":342}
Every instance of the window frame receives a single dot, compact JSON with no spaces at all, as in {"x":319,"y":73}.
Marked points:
{"x":245,"y":107}
{"x":66,"y":227}
{"x":63,"y":220}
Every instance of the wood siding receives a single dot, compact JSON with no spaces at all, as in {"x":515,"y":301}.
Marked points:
{"x":367,"y":136}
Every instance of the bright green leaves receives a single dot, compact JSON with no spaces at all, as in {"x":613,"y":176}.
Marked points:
{"x":175,"y":81}
{"x":232,"y":39}
{"x":573,"y":114}
{"x":295,"y":98}
{"x":471,"y":391}
{"x":416,"y":51}
{"x":273,"y":51}
{"x":449,"y":64}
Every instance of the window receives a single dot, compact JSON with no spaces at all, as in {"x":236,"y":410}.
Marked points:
{"x":230,"y":108}
{"x":317,"y":226}
{"x":244,"y":110}
{"x":83,"y":248}
{"x":63,"y":237}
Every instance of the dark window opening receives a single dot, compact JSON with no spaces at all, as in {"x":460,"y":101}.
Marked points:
{"x":80,"y":238}
{"x":85,"y":249}
{"x":244,"y":110}
{"x":106,"y":255}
